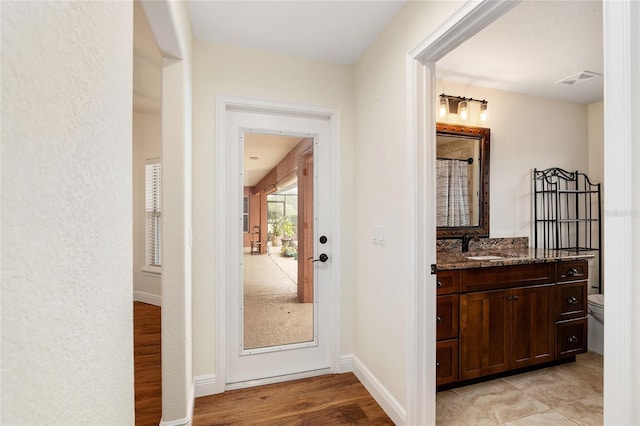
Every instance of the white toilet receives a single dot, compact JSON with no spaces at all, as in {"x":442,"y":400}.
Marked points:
{"x":596,"y":323}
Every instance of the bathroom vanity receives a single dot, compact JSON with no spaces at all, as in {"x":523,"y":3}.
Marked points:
{"x":502,"y":311}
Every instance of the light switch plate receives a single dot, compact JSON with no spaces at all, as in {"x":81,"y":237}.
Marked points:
{"x":379,"y":235}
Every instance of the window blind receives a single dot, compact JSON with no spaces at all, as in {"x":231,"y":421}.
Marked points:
{"x":153,"y":208}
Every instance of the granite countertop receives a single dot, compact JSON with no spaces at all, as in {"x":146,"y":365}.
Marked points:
{"x":499,"y":252}
{"x":458,"y":260}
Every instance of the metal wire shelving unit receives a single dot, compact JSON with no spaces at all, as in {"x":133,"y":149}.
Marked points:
{"x":567,"y":213}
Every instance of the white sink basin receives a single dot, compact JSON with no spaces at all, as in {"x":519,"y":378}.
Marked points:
{"x":489,"y":257}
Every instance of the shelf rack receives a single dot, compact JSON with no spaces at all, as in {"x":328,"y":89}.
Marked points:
{"x":567,"y":213}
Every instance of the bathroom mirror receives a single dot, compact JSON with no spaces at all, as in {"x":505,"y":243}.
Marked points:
{"x":462,"y":181}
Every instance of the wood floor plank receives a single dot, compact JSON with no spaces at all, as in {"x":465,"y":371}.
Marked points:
{"x":147,"y":364}
{"x":338,"y":399}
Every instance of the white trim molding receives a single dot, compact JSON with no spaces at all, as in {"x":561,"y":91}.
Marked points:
{"x":225,"y":103}
{"x":468,"y":20}
{"x":346,"y":364}
{"x":204,"y":385}
{"x":151,"y":299}
{"x":383,"y":397}
{"x":622,"y":211}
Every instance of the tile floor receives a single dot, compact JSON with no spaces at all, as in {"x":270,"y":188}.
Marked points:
{"x":566,"y":394}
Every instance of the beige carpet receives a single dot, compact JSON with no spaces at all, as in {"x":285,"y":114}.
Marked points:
{"x":272,"y":314}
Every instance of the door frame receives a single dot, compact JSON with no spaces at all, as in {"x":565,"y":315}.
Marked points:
{"x":468,"y":20}
{"x":225,"y":103}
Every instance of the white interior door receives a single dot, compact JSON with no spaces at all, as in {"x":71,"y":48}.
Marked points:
{"x":249,"y":365}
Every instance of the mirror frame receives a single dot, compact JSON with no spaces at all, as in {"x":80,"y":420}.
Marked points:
{"x":483,"y":134}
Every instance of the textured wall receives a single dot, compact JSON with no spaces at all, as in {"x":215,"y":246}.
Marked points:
{"x":67,"y":353}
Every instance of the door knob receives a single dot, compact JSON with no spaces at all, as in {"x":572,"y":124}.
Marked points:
{"x":322,"y":258}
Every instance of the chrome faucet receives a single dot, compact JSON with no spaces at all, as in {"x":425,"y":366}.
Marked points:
{"x":466,"y":238}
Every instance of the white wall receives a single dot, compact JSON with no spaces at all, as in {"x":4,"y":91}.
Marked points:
{"x":177,"y":374}
{"x":595,"y":169}
{"x":595,"y":135}
{"x":381,"y":297}
{"x":147,"y":138}
{"x":170,"y":24}
{"x":67,"y":347}
{"x":220,"y":69}
{"x":526,"y":133}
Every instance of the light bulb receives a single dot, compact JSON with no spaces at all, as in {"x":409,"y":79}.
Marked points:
{"x":444,"y":107}
{"x":483,"y":112}
{"x":463,"y":110}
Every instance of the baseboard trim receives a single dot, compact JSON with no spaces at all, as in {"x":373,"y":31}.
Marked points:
{"x":205,"y":385}
{"x":382,"y":396}
{"x":277,"y":379}
{"x":152,"y":299}
{"x":346,"y":364}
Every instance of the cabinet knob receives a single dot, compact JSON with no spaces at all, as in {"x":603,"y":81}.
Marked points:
{"x":438,"y":319}
{"x":437,"y":364}
{"x":572,"y":300}
{"x":439,"y":284}
{"x":572,"y":339}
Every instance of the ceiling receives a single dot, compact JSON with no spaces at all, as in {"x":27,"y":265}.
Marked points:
{"x":527,"y":50}
{"x":532,"y":46}
{"x":268,"y":151}
{"x":329,"y":31}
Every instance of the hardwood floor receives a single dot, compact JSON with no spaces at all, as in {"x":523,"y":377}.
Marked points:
{"x":336,"y":399}
{"x":147,"y":364}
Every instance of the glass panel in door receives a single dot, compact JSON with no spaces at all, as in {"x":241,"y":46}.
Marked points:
{"x":278,"y":276}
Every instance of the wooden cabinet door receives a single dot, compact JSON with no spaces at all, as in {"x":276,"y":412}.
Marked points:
{"x":447,"y":316}
{"x":446,"y":362}
{"x":484,"y":333}
{"x":532,"y":336}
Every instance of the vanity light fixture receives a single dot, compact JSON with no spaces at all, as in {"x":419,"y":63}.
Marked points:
{"x":444,"y":107}
{"x":463,"y":110}
{"x":483,"y":111}
{"x":460,"y":105}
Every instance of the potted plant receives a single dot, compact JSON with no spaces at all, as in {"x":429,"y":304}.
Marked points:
{"x":287,"y":230}
{"x":276,"y":232}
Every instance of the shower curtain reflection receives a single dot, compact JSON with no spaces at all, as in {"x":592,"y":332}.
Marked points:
{"x":452,"y":193}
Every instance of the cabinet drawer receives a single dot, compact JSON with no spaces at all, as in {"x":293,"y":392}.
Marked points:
{"x":447,"y":362}
{"x":501,"y":277}
{"x":571,"y":338}
{"x":571,"y":300}
{"x":447,"y":316}
{"x":572,"y":271}
{"x":448,"y":282}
